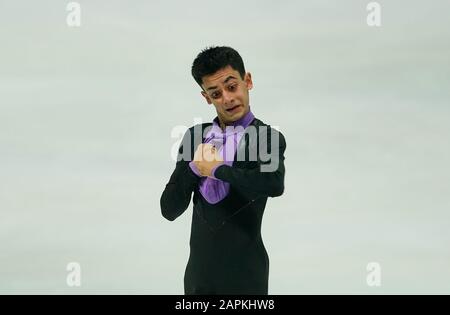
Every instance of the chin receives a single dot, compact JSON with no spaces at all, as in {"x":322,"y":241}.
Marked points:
{"x":235,"y":117}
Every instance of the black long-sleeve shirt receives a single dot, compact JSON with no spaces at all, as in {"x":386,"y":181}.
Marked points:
{"x":227,"y":254}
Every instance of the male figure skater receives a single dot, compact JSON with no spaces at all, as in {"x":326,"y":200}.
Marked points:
{"x":237,"y":164}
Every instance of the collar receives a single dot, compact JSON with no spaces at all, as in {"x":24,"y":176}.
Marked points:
{"x":244,"y":121}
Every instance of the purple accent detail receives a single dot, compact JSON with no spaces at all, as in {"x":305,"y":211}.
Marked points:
{"x":194,"y":169}
{"x":226,"y":142}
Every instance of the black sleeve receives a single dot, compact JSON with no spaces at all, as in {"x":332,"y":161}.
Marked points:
{"x":253,"y":183}
{"x":176,"y":196}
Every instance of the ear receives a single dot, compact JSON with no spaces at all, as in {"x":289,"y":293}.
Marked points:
{"x":206,"y":96}
{"x":248,"y":80}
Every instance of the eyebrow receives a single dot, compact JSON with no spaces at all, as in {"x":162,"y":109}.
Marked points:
{"x":226,"y":80}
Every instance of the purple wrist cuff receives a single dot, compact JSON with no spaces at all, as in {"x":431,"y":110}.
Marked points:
{"x":194,"y":168}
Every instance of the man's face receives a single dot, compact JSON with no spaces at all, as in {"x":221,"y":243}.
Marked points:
{"x":228,"y":92}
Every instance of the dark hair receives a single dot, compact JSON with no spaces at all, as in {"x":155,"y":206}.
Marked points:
{"x":212,"y":59}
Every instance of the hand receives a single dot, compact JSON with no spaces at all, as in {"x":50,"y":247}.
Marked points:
{"x":206,"y":158}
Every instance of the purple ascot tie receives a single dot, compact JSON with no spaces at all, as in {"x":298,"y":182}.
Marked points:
{"x":226,"y":143}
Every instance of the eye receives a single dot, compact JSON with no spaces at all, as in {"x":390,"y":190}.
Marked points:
{"x":232,"y":87}
{"x":215,"y":95}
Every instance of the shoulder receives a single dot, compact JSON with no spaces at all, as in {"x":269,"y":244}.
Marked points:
{"x":268,"y":131}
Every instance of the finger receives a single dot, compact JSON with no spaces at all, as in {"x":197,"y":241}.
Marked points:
{"x":207,"y":146}
{"x":207,"y":150}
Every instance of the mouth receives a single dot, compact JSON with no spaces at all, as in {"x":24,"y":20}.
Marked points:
{"x":233,"y":109}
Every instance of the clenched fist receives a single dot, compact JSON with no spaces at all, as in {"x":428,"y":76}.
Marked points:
{"x":206,"y":158}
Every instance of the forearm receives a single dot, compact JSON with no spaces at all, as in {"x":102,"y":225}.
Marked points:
{"x":252,"y":183}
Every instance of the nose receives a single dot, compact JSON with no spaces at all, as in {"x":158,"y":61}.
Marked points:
{"x":227,"y":98}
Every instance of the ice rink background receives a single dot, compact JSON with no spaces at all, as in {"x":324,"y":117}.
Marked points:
{"x":86,"y":115}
